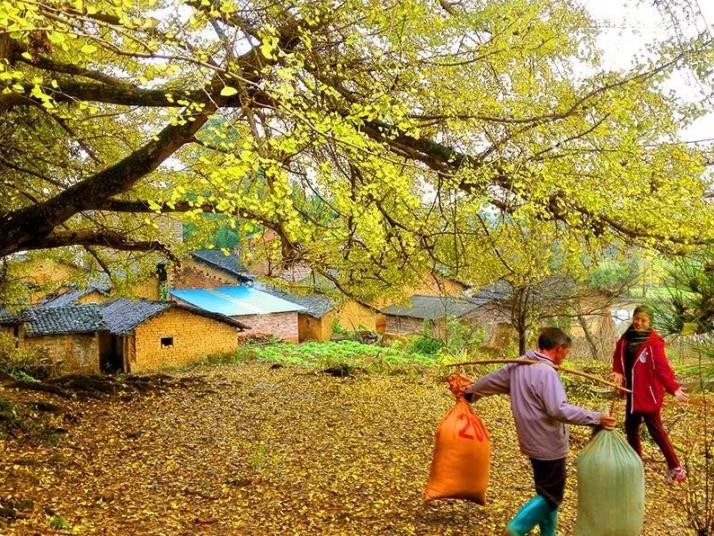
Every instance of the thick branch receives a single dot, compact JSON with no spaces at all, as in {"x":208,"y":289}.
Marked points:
{"x":22,"y":227}
{"x":109,"y":239}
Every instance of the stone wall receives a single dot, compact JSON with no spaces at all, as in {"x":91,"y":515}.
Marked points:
{"x":284,"y":326}
{"x":177,"y":337}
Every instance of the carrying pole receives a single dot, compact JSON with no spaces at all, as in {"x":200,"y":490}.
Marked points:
{"x":533,"y":362}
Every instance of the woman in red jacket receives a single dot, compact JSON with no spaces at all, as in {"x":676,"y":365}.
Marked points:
{"x":640,"y":363}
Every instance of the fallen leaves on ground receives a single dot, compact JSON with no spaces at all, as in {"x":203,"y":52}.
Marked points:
{"x":257,"y":450}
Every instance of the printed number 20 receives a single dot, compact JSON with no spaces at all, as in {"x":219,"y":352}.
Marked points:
{"x":470,"y":421}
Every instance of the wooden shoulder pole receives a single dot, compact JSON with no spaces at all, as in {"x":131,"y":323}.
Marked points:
{"x":532,"y":362}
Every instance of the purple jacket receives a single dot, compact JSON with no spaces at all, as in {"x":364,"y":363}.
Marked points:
{"x":540,"y":407}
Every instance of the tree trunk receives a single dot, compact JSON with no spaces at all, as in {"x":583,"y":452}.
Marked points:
{"x":522,"y":338}
{"x":588,"y":337}
{"x":519,"y":316}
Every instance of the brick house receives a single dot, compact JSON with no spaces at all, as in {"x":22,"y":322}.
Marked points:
{"x":120,"y":335}
{"x":351,"y":314}
{"x":315,"y":320}
{"x":208,"y":268}
{"x":410,"y":316}
{"x":77,"y":296}
{"x":146,"y":335}
{"x":321,"y":312}
{"x":67,"y":336}
{"x":265,"y":313}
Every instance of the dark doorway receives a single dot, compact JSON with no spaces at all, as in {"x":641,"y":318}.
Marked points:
{"x":111,"y":358}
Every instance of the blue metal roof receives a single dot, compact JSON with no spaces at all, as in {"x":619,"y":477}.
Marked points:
{"x":235,"y":301}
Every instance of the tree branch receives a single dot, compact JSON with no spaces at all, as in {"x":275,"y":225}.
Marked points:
{"x":109,"y":239}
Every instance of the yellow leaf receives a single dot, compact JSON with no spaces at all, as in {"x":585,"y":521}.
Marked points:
{"x":89,"y":49}
{"x":228,"y":91}
{"x":56,"y":37}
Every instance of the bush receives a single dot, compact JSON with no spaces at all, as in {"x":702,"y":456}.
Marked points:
{"x":423,"y":344}
{"x":462,"y":336}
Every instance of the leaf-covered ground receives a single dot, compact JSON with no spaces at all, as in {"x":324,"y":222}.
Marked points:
{"x":257,"y":450}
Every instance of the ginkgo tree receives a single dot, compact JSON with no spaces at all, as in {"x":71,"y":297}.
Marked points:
{"x":374,"y":139}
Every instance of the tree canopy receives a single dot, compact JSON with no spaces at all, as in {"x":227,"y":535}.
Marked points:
{"x":375,"y":139}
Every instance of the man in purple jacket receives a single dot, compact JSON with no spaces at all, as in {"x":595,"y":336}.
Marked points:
{"x":541,"y":412}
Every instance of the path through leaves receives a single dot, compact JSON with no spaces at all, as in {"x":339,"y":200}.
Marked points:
{"x":259,"y":451}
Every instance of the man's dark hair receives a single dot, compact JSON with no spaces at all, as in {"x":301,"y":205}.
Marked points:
{"x":552,"y":337}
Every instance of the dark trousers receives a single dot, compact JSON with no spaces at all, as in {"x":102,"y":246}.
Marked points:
{"x":549,"y":477}
{"x":656,"y":430}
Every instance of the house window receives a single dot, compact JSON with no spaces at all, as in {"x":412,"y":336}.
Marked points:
{"x":167,"y":342}
{"x":16,"y":335}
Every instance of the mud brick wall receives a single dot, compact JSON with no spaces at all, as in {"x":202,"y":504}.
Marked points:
{"x":351,"y":315}
{"x":315,"y":329}
{"x":194,"y":337}
{"x":192,"y":274}
{"x":73,"y":353}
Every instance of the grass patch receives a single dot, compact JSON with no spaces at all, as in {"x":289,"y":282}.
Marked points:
{"x":351,"y":354}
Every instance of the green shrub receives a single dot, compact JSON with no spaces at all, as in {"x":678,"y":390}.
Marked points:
{"x":462,"y":336}
{"x":423,"y":344}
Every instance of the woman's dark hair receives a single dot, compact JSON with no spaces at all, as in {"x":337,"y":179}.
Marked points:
{"x":552,"y":337}
{"x":645,"y":310}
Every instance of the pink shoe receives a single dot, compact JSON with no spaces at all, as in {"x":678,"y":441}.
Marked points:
{"x":678,"y":475}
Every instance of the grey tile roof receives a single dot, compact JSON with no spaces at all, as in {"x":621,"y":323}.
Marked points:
{"x":122,"y":315}
{"x":316,"y":305}
{"x":72,"y":296}
{"x":118,"y":317}
{"x":7,"y":317}
{"x":432,"y":307}
{"x":227,"y":263}
{"x":491,"y":293}
{"x":60,"y":320}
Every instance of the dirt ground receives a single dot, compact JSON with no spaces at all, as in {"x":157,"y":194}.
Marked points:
{"x":252,"y":450}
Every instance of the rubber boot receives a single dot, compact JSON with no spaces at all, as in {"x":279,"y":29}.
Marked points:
{"x":548,"y":524}
{"x":531,"y":514}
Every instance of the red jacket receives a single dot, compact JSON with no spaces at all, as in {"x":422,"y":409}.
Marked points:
{"x":651,"y":374}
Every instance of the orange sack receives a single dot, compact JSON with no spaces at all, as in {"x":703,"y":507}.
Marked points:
{"x":462,"y":455}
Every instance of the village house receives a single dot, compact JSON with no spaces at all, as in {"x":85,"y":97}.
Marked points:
{"x":120,"y":335}
{"x":67,"y":337}
{"x":264,"y":313}
{"x":208,"y":268}
{"x":411,"y":315}
{"x":316,"y":318}
{"x":76,"y":296}
{"x":321,"y":312}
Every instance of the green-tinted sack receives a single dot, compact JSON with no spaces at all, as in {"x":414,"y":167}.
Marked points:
{"x":611,"y":488}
